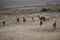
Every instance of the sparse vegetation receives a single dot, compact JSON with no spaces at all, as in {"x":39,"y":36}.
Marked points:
{"x":22,"y":23}
{"x":32,"y":9}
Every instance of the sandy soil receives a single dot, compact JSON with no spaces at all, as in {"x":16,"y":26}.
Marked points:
{"x":31,"y":30}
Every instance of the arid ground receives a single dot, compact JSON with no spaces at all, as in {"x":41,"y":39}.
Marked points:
{"x":30,"y":30}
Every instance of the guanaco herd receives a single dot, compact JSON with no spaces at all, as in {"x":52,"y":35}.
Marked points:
{"x":42,"y":19}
